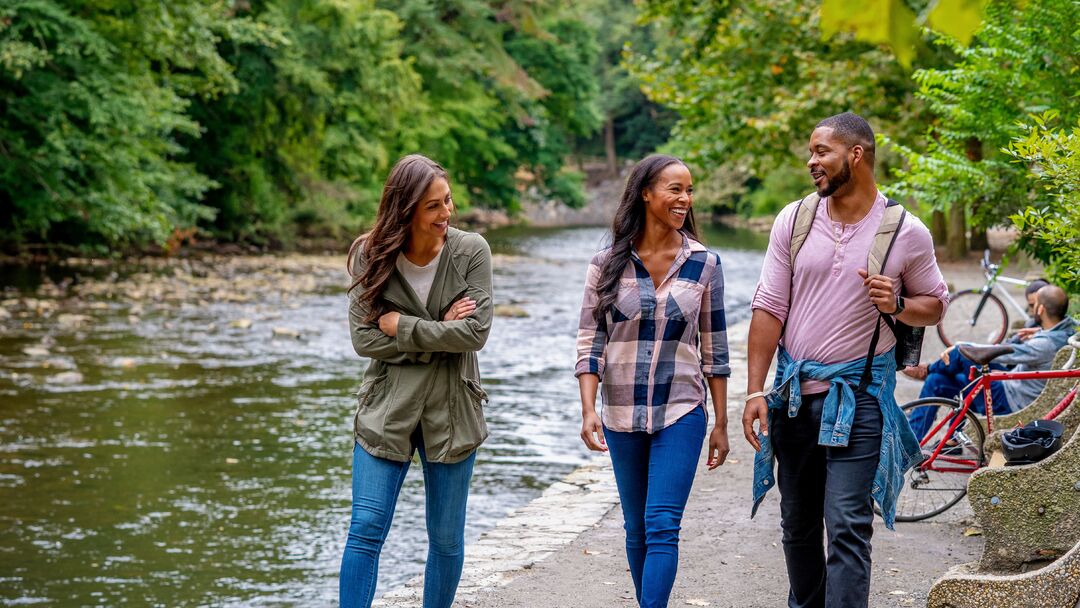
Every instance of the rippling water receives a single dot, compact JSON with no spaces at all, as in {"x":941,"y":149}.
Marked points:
{"x":194,"y":463}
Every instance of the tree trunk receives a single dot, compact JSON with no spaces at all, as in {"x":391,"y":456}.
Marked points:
{"x":978,"y":239}
{"x":609,"y":147}
{"x":938,"y":230}
{"x":956,"y":244}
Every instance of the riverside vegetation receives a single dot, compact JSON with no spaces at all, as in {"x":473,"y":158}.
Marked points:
{"x":128,"y":124}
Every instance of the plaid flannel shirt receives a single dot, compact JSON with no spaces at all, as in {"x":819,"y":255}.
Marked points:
{"x":654,"y":348}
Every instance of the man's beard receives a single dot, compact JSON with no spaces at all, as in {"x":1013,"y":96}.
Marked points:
{"x":834,"y":183}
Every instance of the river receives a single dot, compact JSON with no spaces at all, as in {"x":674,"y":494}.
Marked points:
{"x":159,"y":445}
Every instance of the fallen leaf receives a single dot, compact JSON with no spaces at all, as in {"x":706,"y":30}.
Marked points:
{"x":696,"y":603}
{"x":973,"y":531}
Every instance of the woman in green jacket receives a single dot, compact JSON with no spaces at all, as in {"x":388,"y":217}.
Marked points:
{"x":420,"y":308}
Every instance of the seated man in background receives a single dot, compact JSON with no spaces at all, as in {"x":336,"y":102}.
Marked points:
{"x":1033,"y":350}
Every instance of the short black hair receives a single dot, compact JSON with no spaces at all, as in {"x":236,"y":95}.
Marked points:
{"x":1055,"y":301}
{"x":852,"y":129}
{"x":1034,"y":286}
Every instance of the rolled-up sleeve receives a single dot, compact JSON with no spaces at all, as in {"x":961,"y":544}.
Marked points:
{"x":592,"y":335}
{"x":713,"y":323}
{"x":921,"y":275}
{"x":773,"y":294}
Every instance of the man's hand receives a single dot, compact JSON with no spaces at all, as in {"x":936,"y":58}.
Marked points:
{"x":945,"y":355}
{"x":880,"y":289}
{"x":1026,"y":333}
{"x":388,"y":323}
{"x":756,"y":409}
{"x":918,"y":372}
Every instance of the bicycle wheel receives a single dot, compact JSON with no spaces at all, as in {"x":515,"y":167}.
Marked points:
{"x":932,"y":490}
{"x":974,"y":317}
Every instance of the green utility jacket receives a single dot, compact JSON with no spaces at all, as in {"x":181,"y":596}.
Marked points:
{"x":428,"y":374}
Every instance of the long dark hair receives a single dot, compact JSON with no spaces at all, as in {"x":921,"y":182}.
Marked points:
{"x":407,"y":182}
{"x":628,"y":224}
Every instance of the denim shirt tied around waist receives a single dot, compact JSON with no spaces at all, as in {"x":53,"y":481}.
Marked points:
{"x":899,"y":448}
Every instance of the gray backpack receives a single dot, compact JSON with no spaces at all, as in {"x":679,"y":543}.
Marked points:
{"x":908,"y":339}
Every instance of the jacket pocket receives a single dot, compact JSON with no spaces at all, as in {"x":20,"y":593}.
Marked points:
{"x":469,"y":427}
{"x":368,"y":420}
{"x":368,"y":389}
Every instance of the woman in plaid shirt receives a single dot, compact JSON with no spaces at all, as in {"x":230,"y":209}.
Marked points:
{"x":653,"y":329}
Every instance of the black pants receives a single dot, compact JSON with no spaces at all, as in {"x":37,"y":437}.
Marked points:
{"x":827,"y":490}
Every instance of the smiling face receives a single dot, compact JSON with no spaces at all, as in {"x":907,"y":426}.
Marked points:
{"x":830,"y":161}
{"x":669,"y":198}
{"x":431,"y":219}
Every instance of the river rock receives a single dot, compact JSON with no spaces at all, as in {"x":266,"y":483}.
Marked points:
{"x":124,"y":362}
{"x":241,"y":323}
{"x":36,"y":351}
{"x":71,"y":321}
{"x":65,"y":378}
{"x":285,"y":332}
{"x":510,"y":310}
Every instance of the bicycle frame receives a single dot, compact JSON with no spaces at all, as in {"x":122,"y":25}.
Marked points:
{"x":982,"y":383}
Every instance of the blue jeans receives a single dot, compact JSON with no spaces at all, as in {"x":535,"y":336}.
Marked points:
{"x":826,"y":490}
{"x":376,"y":485}
{"x":947,"y":381}
{"x":654,"y":473}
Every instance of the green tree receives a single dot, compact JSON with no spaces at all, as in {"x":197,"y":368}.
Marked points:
{"x":505,"y":84}
{"x":1021,"y":62}
{"x":750,"y":81}
{"x":325,"y":105}
{"x":1049,"y":229}
{"x":92,"y":104}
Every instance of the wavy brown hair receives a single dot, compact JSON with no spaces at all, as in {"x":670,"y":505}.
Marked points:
{"x":407,"y":182}
{"x":628,"y":224}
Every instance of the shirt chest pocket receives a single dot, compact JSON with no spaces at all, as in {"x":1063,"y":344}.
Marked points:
{"x":627,"y":306}
{"x":684,"y":301}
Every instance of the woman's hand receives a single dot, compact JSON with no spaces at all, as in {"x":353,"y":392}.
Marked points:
{"x":718,"y":447}
{"x":460,"y":309}
{"x":388,"y":323}
{"x":592,"y":432}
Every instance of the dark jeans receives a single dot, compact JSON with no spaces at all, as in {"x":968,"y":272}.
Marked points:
{"x":654,"y":473}
{"x":375,"y":488}
{"x":826,"y":490}
{"x":947,"y":381}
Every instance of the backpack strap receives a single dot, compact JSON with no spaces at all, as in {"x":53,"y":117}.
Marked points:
{"x":879,"y":251}
{"x":800,"y":228}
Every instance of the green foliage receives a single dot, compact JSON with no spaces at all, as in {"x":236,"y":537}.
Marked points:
{"x":1050,"y":229}
{"x":325,"y":105}
{"x":92,"y":107}
{"x":124,"y":121}
{"x":1022,"y":62}
{"x":750,"y":81}
{"x":893,"y":22}
{"x":640,"y":126}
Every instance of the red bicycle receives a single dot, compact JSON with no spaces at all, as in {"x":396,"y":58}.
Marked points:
{"x":954,"y":444}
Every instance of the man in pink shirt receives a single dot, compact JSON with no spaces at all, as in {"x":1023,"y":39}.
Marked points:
{"x":822,"y":315}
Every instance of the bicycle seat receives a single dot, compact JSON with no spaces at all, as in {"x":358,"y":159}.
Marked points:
{"x":981,"y":354}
